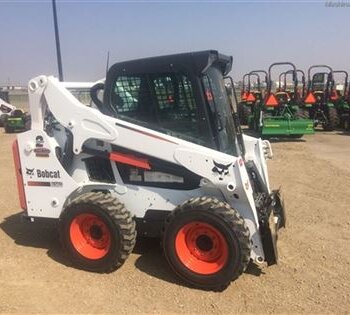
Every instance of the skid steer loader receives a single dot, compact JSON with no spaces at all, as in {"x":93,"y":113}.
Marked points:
{"x":162,"y":155}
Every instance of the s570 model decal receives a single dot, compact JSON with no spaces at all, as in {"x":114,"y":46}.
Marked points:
{"x":45,"y":184}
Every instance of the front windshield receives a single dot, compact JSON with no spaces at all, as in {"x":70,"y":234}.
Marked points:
{"x":164,"y":102}
{"x":220,"y":110}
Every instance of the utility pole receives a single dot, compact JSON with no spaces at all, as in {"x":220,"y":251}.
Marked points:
{"x":57,"y":38}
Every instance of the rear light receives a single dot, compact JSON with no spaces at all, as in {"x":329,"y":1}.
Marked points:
{"x":18,"y":170}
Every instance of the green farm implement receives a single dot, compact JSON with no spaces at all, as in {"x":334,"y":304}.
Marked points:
{"x":279,"y":114}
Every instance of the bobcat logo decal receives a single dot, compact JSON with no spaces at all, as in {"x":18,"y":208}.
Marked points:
{"x":221,"y":169}
{"x":30,"y":171}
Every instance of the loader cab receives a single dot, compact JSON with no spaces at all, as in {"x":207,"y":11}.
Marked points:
{"x":181,"y":95}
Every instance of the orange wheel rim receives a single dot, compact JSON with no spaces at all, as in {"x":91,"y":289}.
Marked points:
{"x":90,"y":236}
{"x":201,"y":247}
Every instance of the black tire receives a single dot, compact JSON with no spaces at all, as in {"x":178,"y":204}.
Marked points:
{"x":110,"y":224}
{"x":8,"y":129}
{"x":27,"y":122}
{"x":333,"y":119}
{"x":246,"y":111}
{"x":233,"y":238}
{"x":346,"y":123}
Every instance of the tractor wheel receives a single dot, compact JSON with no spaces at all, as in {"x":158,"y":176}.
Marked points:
{"x":333,"y":120}
{"x":346,"y":123}
{"x":97,"y":232}
{"x":206,"y":243}
{"x":246,"y":112}
{"x":8,"y":129}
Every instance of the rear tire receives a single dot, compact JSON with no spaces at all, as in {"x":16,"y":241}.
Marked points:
{"x":97,"y":232}
{"x":246,"y":112}
{"x":8,"y":129}
{"x":346,"y":124}
{"x":333,"y":119}
{"x":206,"y":243}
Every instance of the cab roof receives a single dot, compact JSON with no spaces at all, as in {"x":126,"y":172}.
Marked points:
{"x":195,"y":62}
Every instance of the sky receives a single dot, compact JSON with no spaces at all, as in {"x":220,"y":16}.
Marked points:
{"x":255,"y":33}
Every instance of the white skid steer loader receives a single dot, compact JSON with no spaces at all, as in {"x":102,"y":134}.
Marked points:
{"x":162,"y":155}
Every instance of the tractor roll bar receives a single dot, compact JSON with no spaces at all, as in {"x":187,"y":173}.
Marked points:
{"x":303,"y":81}
{"x":346,"y":76}
{"x":244,"y":77}
{"x":280,"y":80}
{"x":261,"y":72}
{"x":250,"y":74}
{"x":294,"y":71}
{"x":310,"y":80}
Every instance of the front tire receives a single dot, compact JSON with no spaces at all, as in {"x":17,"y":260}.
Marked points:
{"x":206,"y":243}
{"x":97,"y":232}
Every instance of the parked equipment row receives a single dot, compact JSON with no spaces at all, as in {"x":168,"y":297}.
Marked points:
{"x":292,"y":109}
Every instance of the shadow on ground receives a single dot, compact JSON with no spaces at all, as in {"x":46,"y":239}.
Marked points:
{"x":43,"y":234}
{"x":343,"y":132}
{"x":38,"y":234}
{"x":152,"y":261}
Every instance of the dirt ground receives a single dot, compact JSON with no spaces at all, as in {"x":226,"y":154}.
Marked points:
{"x":312,"y":276}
